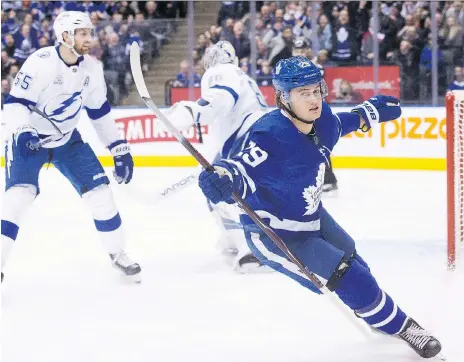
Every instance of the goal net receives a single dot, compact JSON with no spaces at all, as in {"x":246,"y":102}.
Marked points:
{"x":455,"y":174}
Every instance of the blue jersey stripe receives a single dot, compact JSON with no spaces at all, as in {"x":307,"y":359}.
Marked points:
{"x":228,"y":89}
{"x":99,"y":113}
{"x":25,"y":102}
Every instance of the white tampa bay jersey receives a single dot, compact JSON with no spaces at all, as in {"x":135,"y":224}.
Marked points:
{"x":60,"y":91}
{"x":237,"y":95}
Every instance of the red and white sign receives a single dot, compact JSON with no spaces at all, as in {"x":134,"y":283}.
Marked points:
{"x":146,"y":128}
{"x":360,"y":78}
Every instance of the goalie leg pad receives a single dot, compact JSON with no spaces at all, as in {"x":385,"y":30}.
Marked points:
{"x":106,"y":217}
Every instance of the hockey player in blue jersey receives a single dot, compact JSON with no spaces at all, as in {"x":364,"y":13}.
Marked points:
{"x":280,"y":174}
{"x":61,"y":81}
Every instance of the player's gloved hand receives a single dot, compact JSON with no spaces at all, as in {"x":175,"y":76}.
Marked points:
{"x":378,"y":109}
{"x":123,"y":162}
{"x":27,"y":141}
{"x":217,"y":186}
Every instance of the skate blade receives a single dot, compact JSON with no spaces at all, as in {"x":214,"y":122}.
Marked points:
{"x":330,"y":194}
{"x":131,"y":279}
{"x":253,"y":268}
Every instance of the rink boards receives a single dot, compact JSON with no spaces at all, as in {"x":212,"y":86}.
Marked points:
{"x":416,"y":141}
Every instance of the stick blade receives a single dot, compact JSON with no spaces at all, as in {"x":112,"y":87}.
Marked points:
{"x":136,"y":69}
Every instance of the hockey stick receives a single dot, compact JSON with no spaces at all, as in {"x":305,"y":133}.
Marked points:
{"x":151,"y":199}
{"x":51,"y":138}
{"x":145,"y":95}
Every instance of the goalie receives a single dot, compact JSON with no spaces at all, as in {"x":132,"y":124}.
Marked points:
{"x":232,"y":102}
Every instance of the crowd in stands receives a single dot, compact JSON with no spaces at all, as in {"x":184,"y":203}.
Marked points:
{"x":28,"y":26}
{"x":344,"y":37}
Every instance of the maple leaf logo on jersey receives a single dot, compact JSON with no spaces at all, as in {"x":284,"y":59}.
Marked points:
{"x":312,"y":194}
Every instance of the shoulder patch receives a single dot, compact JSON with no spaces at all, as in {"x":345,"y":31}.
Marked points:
{"x":44,"y":54}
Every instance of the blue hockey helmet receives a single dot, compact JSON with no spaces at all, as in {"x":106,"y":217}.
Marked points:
{"x":297,"y":72}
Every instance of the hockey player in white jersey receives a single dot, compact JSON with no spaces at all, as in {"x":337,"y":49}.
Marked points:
{"x":231,"y":102}
{"x":61,"y":81}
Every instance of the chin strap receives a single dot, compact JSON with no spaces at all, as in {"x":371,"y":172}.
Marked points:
{"x":291,"y":113}
{"x":71,"y":47}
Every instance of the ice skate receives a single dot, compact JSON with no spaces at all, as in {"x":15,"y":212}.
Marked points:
{"x":248,"y":263}
{"x":425,"y":345}
{"x":127,"y":266}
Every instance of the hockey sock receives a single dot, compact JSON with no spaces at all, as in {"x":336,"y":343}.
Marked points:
{"x":106,"y":217}
{"x":16,"y":202}
{"x":359,"y":290}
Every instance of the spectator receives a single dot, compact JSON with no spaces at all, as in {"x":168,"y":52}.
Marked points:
{"x":279,"y":16}
{"x":281,"y":44}
{"x":302,"y":25}
{"x":345,"y":45}
{"x":244,"y":66}
{"x":239,"y":41}
{"x":367,"y":44}
{"x":324,"y":33}
{"x":228,"y":29}
{"x":345,"y":93}
{"x":301,"y":48}
{"x":46,"y":30}
{"x":321,"y":59}
{"x":261,"y":29}
{"x":25,"y":44}
{"x":202,"y":43}
{"x":14,"y":69}
{"x":263,"y":53}
{"x":5,"y":90}
{"x":151,"y":11}
{"x":10,"y":25}
{"x":182,"y":79}
{"x":426,"y":55}
{"x":9,"y":45}
{"x":454,"y":40}
{"x":396,"y":18}
{"x":458,"y":83}
{"x":116,"y":62}
{"x":43,"y":42}
{"x":213,"y":34}
{"x":264,"y":75}
{"x":407,"y":58}
{"x":7,"y":62}
{"x":96,"y":50}
{"x":227,"y":10}
{"x":266,"y":17}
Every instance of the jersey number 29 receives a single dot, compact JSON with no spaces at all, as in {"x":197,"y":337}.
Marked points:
{"x":253,"y":155}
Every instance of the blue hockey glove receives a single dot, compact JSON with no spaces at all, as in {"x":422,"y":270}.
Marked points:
{"x":217,"y":186}
{"x":27,"y":141}
{"x":378,"y":109}
{"x":123,"y":162}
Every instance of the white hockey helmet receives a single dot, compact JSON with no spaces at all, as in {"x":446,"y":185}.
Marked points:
{"x":220,"y":53}
{"x":69,"y":21}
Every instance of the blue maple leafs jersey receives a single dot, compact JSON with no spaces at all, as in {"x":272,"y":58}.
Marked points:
{"x":281,"y":170}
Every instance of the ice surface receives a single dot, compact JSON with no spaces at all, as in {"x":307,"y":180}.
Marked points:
{"x":62,"y":302}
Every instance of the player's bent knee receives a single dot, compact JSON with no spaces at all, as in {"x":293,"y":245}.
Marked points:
{"x":100,"y":200}
{"x":17,"y":200}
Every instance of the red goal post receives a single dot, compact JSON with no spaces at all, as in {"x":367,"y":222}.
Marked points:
{"x":455,"y":174}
